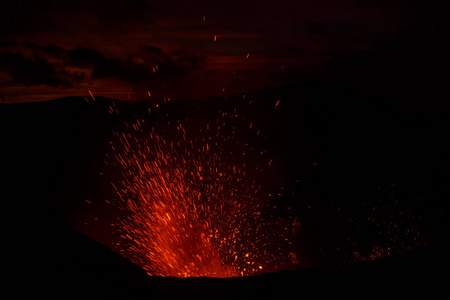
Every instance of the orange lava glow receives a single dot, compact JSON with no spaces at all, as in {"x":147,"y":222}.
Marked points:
{"x":192,"y":210}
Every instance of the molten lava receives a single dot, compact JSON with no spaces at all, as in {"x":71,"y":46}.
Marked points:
{"x":192,"y":206}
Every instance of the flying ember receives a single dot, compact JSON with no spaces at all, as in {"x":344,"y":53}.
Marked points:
{"x":192,"y":204}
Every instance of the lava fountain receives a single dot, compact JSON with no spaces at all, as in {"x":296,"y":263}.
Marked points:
{"x":192,"y":205}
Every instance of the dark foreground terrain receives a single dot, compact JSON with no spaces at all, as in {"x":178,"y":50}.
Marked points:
{"x":54,"y":151}
{"x":55,"y":261}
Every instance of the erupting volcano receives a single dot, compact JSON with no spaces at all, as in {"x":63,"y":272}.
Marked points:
{"x":192,"y":204}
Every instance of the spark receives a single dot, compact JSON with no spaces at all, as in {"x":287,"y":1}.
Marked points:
{"x":91,"y":95}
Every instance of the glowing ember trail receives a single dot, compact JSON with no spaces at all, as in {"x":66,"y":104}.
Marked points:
{"x":191,"y":208}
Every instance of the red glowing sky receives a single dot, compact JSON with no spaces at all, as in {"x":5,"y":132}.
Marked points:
{"x":52,"y":49}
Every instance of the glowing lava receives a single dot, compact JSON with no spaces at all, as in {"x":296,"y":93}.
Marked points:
{"x":191,"y":207}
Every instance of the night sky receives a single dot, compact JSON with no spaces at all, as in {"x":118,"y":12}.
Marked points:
{"x":185,"y":49}
{"x":342,"y":99}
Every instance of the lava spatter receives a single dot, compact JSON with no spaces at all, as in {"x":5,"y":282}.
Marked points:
{"x":192,"y":204}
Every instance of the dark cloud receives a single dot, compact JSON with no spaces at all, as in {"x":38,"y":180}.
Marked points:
{"x":151,"y":49}
{"x":53,"y":66}
{"x":87,"y":57}
{"x":156,"y":65}
{"x":36,"y":71}
{"x":51,"y":50}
